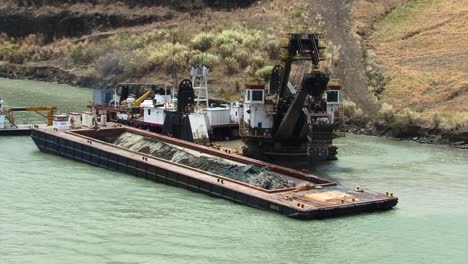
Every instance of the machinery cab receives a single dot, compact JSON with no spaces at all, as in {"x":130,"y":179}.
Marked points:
{"x":256,"y":116}
{"x":333,"y":99}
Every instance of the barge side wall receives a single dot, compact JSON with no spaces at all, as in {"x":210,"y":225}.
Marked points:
{"x":92,"y":155}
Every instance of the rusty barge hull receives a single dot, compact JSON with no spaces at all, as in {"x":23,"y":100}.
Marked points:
{"x":312,"y":197}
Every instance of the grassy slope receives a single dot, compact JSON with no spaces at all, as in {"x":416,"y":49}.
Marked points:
{"x":422,"y":49}
{"x":417,"y":49}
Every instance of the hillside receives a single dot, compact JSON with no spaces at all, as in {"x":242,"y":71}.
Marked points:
{"x":425,"y":60}
{"x":403,"y":74}
{"x":108,"y":44}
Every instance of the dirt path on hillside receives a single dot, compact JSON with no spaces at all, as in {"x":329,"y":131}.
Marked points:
{"x":336,"y":14}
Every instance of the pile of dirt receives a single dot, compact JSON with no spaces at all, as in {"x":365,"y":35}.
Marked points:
{"x":258,"y":176}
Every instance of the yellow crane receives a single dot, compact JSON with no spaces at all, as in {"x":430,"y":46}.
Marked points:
{"x":49,"y":113}
{"x":140,"y":100}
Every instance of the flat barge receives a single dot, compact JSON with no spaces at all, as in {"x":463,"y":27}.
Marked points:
{"x":15,"y":131}
{"x":183,"y":164}
{"x":20,"y":130}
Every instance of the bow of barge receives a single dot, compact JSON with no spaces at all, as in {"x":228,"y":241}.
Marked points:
{"x":232,"y":177}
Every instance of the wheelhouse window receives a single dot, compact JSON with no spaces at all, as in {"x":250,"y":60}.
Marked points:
{"x":332,"y":96}
{"x":257,"y":96}
{"x":149,"y":111}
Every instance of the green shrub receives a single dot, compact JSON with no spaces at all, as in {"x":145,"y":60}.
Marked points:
{"x":407,"y":116}
{"x":166,"y":53}
{"x":272,"y":47}
{"x":242,"y":57}
{"x":203,"y":41}
{"x":264,"y":72}
{"x":252,"y":40}
{"x":386,"y":112}
{"x":297,"y":11}
{"x":257,"y":60}
{"x":229,"y":36}
{"x":208,"y":59}
{"x":353,"y":112}
{"x":79,"y":56}
{"x":232,"y":65}
{"x":180,"y":35}
{"x":8,"y":51}
{"x":227,"y":49}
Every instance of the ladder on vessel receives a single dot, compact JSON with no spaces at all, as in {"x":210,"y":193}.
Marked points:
{"x":243,"y":130}
{"x":341,"y":116}
{"x":341,"y":122}
{"x":200,"y":77}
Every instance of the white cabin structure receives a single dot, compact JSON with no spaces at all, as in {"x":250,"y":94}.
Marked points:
{"x":256,"y":114}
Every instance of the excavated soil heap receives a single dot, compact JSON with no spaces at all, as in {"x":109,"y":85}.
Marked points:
{"x":250,"y":174}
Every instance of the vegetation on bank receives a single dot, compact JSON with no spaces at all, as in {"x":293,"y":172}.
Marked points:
{"x":132,"y":55}
{"x":389,"y":117}
{"x":237,"y":49}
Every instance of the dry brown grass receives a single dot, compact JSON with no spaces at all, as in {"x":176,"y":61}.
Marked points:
{"x":419,"y":47}
{"x":422,"y":50}
{"x":367,"y":12}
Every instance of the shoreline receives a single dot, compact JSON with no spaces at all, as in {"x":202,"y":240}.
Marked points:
{"x":415,"y":133}
{"x":423,"y":135}
{"x":52,"y":74}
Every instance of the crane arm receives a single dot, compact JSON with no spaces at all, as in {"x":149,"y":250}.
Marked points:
{"x":141,"y":99}
{"x":50,"y":111}
{"x":301,"y":47}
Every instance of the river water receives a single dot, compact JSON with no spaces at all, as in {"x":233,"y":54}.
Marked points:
{"x":54,"y":210}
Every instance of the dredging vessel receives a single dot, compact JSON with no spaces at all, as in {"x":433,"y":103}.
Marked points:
{"x":282,"y":120}
{"x":203,"y":169}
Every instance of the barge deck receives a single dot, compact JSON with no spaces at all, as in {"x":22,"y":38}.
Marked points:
{"x":20,"y":130}
{"x":306,"y":196}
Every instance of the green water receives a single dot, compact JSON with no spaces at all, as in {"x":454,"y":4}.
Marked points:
{"x":17,"y":93}
{"x":53,"y":210}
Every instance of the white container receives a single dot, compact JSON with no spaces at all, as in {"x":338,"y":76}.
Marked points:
{"x":103,"y":120}
{"x":61,"y":122}
{"x":75,"y":120}
{"x":218,"y":116}
{"x":87,"y":119}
